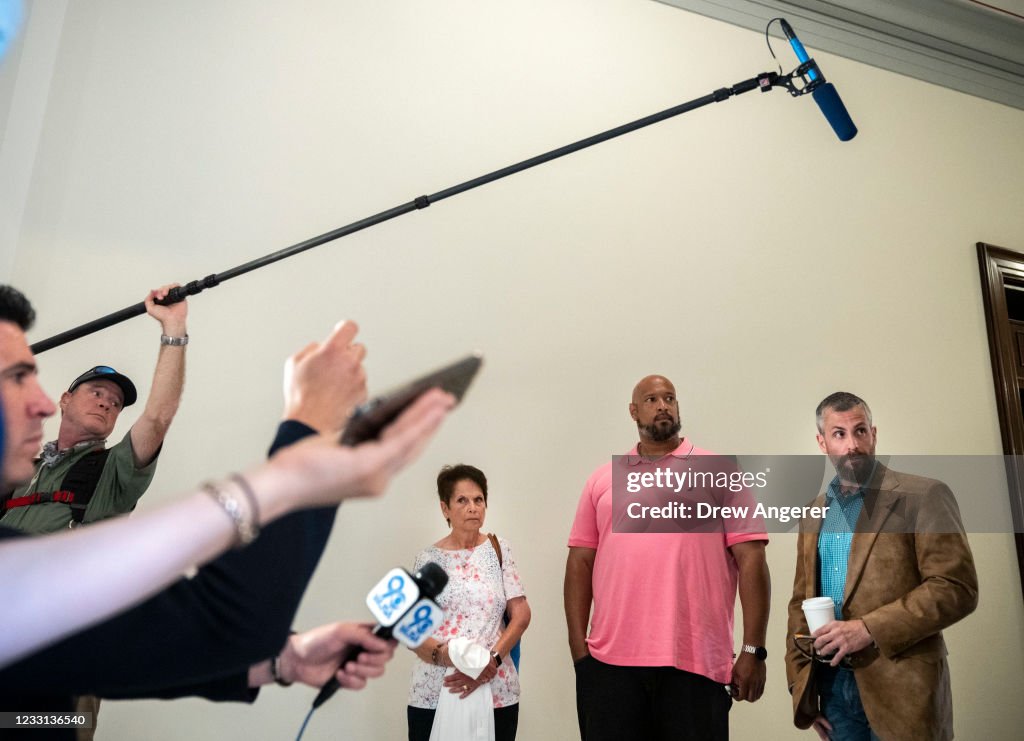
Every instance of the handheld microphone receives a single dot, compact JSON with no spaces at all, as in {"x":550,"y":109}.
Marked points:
{"x":404,"y":607}
{"x":824,"y":93}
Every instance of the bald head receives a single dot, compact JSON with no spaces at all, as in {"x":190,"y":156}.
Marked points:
{"x":655,"y":409}
{"x":650,"y":383}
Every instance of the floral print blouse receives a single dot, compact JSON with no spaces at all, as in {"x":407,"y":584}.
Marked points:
{"x":473,"y":603}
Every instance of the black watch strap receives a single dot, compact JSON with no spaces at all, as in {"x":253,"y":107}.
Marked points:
{"x":760,"y":652}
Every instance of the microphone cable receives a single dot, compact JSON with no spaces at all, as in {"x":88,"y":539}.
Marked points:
{"x":768,"y":40}
{"x":304,"y":724}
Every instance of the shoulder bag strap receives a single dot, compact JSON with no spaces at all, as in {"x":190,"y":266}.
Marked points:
{"x":497,"y":548}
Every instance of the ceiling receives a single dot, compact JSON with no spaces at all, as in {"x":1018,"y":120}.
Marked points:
{"x":967,"y":45}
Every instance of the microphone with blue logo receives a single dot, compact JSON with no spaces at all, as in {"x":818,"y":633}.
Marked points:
{"x":403,"y":605}
{"x":824,"y":93}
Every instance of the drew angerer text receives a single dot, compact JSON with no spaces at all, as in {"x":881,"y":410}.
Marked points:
{"x":705,"y":511}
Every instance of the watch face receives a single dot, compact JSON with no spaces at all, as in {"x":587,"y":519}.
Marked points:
{"x":761,"y":653}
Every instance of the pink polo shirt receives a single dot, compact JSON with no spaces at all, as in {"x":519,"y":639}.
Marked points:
{"x":660,"y":599}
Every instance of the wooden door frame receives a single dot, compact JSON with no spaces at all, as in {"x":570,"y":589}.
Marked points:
{"x":999,"y":266}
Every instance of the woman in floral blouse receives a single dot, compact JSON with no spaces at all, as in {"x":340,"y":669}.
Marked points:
{"x":478,"y":592}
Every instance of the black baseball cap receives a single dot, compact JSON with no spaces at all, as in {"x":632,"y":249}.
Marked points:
{"x":106,"y":373}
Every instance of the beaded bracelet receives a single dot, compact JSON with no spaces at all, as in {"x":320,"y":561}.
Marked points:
{"x":245,"y":524}
{"x":251,"y":496}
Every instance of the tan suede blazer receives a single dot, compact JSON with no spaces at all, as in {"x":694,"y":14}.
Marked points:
{"x":910,"y":574}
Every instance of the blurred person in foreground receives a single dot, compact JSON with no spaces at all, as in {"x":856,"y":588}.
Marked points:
{"x":225,"y":631}
{"x":78,"y":479}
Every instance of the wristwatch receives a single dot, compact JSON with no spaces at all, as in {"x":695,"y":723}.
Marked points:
{"x":497,"y":658}
{"x":760,"y":652}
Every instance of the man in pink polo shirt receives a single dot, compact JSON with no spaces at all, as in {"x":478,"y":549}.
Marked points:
{"x":658,"y":662}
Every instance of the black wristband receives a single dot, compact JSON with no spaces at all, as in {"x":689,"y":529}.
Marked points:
{"x":275,"y":669}
{"x":276,"y":673}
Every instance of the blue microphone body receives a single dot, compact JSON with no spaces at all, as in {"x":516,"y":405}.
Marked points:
{"x":825,"y":93}
{"x":831,"y":105}
{"x":798,"y":48}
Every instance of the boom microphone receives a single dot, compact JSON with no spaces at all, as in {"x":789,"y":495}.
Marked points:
{"x":831,"y":105}
{"x":824,"y":93}
{"x":404,"y":606}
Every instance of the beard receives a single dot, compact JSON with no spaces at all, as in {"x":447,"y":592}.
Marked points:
{"x":855,"y":468}
{"x":660,"y":431}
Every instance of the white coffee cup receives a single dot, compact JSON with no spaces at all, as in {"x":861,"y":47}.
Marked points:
{"x":819,"y":611}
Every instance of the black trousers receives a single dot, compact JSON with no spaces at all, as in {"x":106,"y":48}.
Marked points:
{"x":421,"y":720}
{"x":649,"y":703}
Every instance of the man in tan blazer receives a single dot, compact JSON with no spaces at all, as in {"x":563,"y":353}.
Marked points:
{"x":892,"y":552}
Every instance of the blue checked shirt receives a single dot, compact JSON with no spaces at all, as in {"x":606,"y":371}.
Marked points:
{"x":834,"y":541}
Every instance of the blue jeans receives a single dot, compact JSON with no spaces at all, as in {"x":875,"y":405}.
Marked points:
{"x":841,"y":706}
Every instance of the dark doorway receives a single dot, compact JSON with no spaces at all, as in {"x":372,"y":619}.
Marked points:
{"x":1002,"y":287}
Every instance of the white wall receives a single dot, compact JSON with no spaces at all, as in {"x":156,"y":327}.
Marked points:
{"x":740,"y":249}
